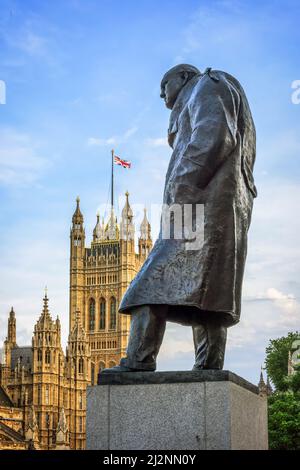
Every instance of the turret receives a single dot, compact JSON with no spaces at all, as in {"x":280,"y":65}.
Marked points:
{"x":77,"y":231}
{"x":11,"y":328}
{"x":45,"y":321}
{"x":145,"y":241}
{"x":126,"y":224}
{"x":98,"y":232}
{"x":262,"y":388}
{"x":46,"y":340}
{"x":77,"y":256}
{"x":9,"y":343}
{"x":111,"y":231}
{"x":47,"y":372}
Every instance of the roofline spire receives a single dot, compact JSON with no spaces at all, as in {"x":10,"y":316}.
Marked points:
{"x":45,"y":300}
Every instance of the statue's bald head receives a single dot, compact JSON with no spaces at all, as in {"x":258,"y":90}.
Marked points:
{"x":174,"y":80}
{"x":183,"y":68}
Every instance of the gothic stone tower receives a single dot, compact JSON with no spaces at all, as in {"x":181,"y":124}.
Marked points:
{"x":99,"y":276}
{"x":47,"y":373}
{"x":59,"y":382}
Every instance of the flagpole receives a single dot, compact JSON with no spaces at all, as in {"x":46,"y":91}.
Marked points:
{"x":112,"y":179}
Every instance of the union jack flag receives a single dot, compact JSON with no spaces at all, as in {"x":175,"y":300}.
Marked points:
{"x":123,"y":163}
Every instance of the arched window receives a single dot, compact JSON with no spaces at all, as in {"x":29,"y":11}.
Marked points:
{"x":92,"y":315}
{"x":39,"y":355}
{"x":47,"y":357}
{"x":102,"y":314}
{"x":113,"y":317}
{"x":80,"y":366}
{"x":101,"y":366}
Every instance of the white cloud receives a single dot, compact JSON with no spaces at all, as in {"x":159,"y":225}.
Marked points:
{"x":34,"y":38}
{"x":20,"y":162}
{"x":279,"y":146}
{"x":288,"y":307}
{"x":158,"y":142}
{"x":30,"y":37}
{"x":274,"y":294}
{"x":130,"y":132}
{"x":179,"y":59}
{"x":95,"y":141}
{"x":221,"y":23}
{"x":27,"y":41}
{"x":113,"y":98}
{"x":32,"y":43}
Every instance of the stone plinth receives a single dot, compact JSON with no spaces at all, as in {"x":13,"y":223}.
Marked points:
{"x":191,"y":410}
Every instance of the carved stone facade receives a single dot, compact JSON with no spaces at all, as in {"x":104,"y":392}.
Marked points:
{"x":48,"y":386}
{"x":99,"y":276}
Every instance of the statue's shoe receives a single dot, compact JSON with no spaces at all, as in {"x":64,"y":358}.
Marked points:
{"x":115,"y":369}
{"x":196,"y":367}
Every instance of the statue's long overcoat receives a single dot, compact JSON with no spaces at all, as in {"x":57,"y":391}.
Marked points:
{"x":213,"y":139}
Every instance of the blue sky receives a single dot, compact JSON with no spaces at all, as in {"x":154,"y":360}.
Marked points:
{"x":82,"y":76}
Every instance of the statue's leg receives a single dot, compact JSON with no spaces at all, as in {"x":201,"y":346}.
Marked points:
{"x":209,"y":341}
{"x":148,"y":324}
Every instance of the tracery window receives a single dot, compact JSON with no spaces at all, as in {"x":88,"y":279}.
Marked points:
{"x":113,"y":317}
{"x":47,"y":356}
{"x":39,"y":355}
{"x":102,"y":314}
{"x":92,"y":315}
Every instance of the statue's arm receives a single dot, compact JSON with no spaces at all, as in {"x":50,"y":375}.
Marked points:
{"x":213,"y":113}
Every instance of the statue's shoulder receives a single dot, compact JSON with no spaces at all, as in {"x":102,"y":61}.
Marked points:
{"x":211,"y":82}
{"x":232,"y":82}
{"x":220,"y":78}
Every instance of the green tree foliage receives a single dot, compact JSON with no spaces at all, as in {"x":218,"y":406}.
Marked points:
{"x":293,"y":382}
{"x":277,"y":360}
{"x":284,"y":404}
{"x":284,"y":420}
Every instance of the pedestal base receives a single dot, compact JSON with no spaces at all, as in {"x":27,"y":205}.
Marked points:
{"x":191,"y":410}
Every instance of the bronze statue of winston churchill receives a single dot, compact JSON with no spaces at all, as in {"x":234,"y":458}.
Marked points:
{"x":212,"y":135}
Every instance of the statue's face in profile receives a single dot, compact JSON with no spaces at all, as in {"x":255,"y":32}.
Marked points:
{"x":170,"y":87}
